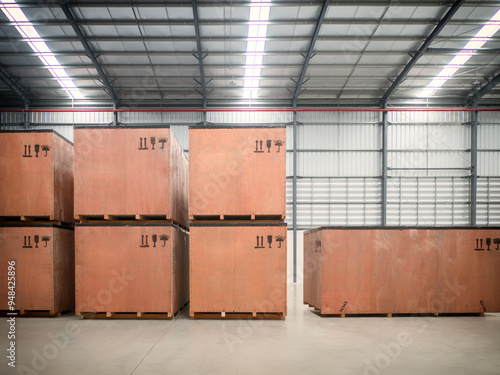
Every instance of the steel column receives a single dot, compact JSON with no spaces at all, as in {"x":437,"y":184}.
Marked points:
{"x":473,"y":159}
{"x":384,"y":165}
{"x":294,"y":193}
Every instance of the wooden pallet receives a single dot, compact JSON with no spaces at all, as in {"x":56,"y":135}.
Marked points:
{"x":29,"y":219}
{"x":238,"y":315}
{"x":129,"y":315}
{"x":390,"y":315}
{"x":239,"y":218}
{"x":126,"y":219}
{"x":30,"y":313}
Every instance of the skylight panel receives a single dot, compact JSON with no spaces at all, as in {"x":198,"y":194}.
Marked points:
{"x":477,"y":41}
{"x":17,"y":17}
{"x":257,"y":33}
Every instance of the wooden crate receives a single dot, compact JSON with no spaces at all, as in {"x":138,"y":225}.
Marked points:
{"x":237,"y":172}
{"x":119,"y":172}
{"x":141,"y":268}
{"x":44,"y":267}
{"x":238,"y":268}
{"x":37,"y":176}
{"x":402,"y":271}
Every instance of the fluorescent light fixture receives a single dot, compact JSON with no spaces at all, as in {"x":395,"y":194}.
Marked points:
{"x":477,"y":41}
{"x":257,"y":32}
{"x":17,"y":17}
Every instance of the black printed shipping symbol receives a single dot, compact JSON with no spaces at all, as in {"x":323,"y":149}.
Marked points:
{"x":262,"y":147}
{"x":487,"y":242}
{"x":28,"y":244}
{"x":143,"y":143}
{"x":269,"y":241}
{"x":154,"y":240}
{"x":28,"y":149}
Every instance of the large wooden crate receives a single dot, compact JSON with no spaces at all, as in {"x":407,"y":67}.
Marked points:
{"x":236,"y":268}
{"x":406,"y":271}
{"x":139,"y":268}
{"x":121,"y":172}
{"x":44,"y":268}
{"x":37,"y":176}
{"x":237,"y":172}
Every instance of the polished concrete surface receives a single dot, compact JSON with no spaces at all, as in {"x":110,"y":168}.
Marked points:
{"x":304,"y":343}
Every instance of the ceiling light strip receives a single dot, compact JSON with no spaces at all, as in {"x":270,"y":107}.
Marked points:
{"x":17,"y":17}
{"x":257,"y":33}
{"x":489,"y":29}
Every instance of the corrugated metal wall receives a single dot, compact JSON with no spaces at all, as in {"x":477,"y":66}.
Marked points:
{"x":340,"y":161}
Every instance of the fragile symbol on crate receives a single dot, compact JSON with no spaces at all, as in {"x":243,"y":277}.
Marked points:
{"x":269,"y":240}
{"x":36,"y":239}
{"x":36,"y":150}
{"x":259,"y":146}
{"x":479,"y":244}
{"x":154,"y":240}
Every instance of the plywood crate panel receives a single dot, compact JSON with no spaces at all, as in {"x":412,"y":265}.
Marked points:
{"x":37,"y":175}
{"x":131,"y":268}
{"x":237,"y":171}
{"x":44,"y":258}
{"x":120,"y":171}
{"x":365,"y":271}
{"x":238,"y":268}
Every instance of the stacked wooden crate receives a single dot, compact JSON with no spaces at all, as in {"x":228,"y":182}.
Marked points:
{"x":402,"y":271}
{"x":132,"y":253}
{"x":237,"y":205}
{"x":36,"y":212}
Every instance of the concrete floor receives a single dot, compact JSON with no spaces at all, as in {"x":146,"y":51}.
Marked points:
{"x":304,"y":343}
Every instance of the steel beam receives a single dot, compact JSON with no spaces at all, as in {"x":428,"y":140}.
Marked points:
{"x":200,"y":58}
{"x":88,"y":49}
{"x":483,"y":91}
{"x":310,"y":50}
{"x":285,"y":38}
{"x":240,"y":3}
{"x":9,"y":82}
{"x":423,"y":48}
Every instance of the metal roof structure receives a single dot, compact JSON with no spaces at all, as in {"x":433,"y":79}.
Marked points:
{"x":161,"y":54}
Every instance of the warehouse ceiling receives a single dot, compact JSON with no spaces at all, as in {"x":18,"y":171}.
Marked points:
{"x":196,"y":53}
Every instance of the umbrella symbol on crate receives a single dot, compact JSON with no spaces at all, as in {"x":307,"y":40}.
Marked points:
{"x":45,"y":239}
{"x":45,"y":148}
{"x":164,"y":238}
{"x":162,"y":141}
{"x":279,"y":240}
{"x":279,"y":144}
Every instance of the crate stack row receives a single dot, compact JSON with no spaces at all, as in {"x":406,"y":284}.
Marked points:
{"x":36,"y":216}
{"x":131,"y":208}
{"x":237,"y":205}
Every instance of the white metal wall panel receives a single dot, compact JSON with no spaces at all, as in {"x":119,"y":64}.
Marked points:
{"x":75,"y":118}
{"x":163,"y":118}
{"x":489,"y":117}
{"x":436,"y":117}
{"x":488,"y":201}
{"x":181,"y":133}
{"x":336,"y":163}
{"x":428,"y":201}
{"x":339,"y":137}
{"x":11,"y":118}
{"x":249,"y":117}
{"x":338,"y":118}
{"x":428,"y":137}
